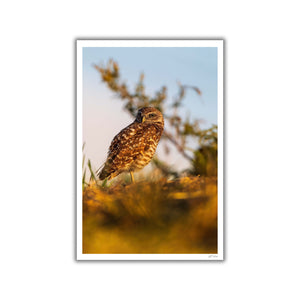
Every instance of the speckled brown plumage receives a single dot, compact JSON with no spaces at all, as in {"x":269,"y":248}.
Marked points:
{"x":134,"y":146}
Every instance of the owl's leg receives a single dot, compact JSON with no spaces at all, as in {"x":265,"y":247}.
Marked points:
{"x":132,"y":178}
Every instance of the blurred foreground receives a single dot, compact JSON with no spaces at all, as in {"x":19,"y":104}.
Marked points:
{"x":151,"y":217}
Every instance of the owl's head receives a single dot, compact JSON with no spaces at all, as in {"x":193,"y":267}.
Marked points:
{"x":150,"y":115}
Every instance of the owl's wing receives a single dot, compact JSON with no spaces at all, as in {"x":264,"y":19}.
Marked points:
{"x":124,"y":148}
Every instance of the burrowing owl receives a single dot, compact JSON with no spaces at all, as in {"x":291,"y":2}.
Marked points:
{"x":134,"y":146}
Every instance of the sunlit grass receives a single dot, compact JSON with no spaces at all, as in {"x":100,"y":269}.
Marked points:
{"x":159,"y":216}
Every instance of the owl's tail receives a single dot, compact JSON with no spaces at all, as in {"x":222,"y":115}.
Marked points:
{"x":104,"y":172}
{"x":101,"y":173}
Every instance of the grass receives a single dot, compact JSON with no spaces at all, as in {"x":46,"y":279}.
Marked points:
{"x":161,"y":216}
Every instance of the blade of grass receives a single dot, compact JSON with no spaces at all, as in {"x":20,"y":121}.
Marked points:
{"x":103,"y":185}
{"x":92,"y":172}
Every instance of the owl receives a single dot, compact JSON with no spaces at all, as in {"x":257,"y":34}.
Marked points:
{"x":134,"y":146}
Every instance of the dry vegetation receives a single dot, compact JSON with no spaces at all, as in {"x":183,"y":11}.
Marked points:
{"x":177,"y":216}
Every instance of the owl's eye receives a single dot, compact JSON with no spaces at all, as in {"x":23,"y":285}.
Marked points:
{"x":152,"y":115}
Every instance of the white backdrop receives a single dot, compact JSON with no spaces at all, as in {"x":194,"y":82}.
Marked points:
{"x":37,"y":119}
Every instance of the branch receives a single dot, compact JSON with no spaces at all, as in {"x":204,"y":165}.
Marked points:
{"x":177,"y":145}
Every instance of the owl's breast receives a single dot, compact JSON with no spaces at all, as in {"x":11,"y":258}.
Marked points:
{"x":146,"y":146}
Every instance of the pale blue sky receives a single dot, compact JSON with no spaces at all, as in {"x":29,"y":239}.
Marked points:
{"x":103,"y":116}
{"x":163,"y":66}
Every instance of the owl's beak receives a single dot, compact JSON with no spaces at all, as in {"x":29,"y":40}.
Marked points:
{"x":143,"y":119}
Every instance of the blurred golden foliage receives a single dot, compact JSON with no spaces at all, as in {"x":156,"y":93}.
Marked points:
{"x":177,"y":216}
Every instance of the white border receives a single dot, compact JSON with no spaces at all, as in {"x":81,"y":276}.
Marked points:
{"x":150,"y":43}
